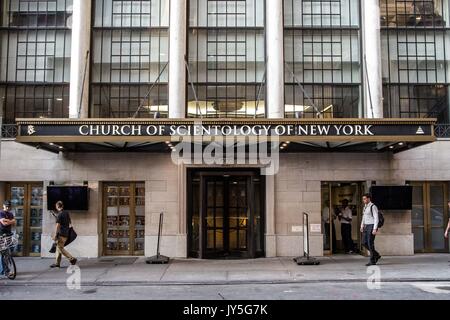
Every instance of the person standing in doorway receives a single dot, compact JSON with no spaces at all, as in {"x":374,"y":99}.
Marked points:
{"x":61,"y":234}
{"x":369,"y":228}
{"x":346,"y":216}
{"x":448,"y":224}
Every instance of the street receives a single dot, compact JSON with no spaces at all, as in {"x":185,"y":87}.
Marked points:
{"x":298,"y":291}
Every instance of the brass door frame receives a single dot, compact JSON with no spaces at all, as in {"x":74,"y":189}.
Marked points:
{"x":426,"y":196}
{"x":132,"y":223}
{"x":359,"y":208}
{"x":26,"y":227}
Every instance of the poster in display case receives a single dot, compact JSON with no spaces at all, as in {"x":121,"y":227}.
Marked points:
{"x":124,"y":218}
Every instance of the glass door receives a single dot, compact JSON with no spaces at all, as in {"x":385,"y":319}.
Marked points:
{"x":226,"y":214}
{"x":35,"y":225}
{"x":429,"y":216}
{"x":333,"y":195}
{"x":26,"y":199}
{"x":18,"y":201}
{"x":124,"y":212}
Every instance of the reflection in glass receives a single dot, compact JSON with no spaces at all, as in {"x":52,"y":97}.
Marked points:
{"x":418,"y":239}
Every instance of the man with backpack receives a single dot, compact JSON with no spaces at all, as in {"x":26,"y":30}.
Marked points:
{"x":369,"y":227}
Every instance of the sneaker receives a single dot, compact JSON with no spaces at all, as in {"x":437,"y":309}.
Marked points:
{"x":55,"y":266}
{"x":370,"y":264}
{"x":73,"y":261}
{"x":378,"y":258}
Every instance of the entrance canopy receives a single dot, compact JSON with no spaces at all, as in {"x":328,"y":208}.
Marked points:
{"x":159,"y":135}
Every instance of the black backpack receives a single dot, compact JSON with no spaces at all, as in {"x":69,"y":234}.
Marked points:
{"x":380,"y":217}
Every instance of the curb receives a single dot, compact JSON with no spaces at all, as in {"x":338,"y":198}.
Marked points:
{"x":211,"y":283}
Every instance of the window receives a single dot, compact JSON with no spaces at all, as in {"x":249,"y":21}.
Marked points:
{"x":130,"y":57}
{"x":415,"y":58}
{"x":226,"y":59}
{"x":323,"y":58}
{"x":412,"y":13}
{"x":35,"y":58}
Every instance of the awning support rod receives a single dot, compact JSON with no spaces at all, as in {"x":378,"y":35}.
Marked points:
{"x":149,"y":91}
{"x":303,"y":90}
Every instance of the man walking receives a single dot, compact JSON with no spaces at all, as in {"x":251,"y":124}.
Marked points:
{"x":61,"y":234}
{"x":346,"y":216}
{"x":369,"y":228}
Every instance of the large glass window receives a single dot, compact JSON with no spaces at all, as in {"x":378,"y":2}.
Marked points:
{"x":415,"y":44}
{"x":323,"y":58}
{"x":129,"y":59}
{"x":34,"y":58}
{"x":226,"y":59}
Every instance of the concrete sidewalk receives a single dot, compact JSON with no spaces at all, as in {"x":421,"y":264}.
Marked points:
{"x":110,"y":271}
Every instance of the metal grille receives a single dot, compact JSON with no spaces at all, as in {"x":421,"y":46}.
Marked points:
{"x":9,"y":131}
{"x":130,"y":52}
{"x":323,"y":59}
{"x":35,"y":58}
{"x":414,"y":41}
{"x":442,"y":131}
{"x":226,"y":58}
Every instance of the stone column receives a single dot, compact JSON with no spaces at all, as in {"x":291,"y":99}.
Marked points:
{"x":275,"y":59}
{"x":372,"y":59}
{"x":177,"y":53}
{"x":271,"y":240}
{"x":80,"y":59}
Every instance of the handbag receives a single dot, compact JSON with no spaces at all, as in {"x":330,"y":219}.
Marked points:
{"x":53,"y":248}
{"x":71,"y":237}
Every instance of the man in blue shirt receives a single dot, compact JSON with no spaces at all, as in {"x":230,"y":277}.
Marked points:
{"x":6,"y":222}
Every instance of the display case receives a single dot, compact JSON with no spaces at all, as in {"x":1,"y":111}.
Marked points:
{"x":26,"y":200}
{"x":124,"y":213}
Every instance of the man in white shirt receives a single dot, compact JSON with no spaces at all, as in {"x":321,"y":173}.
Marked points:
{"x":369,"y":228}
{"x":346,"y":216}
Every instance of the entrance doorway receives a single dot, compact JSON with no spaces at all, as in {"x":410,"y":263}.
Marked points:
{"x":334,"y":197}
{"x":429,"y":216}
{"x":226,"y":214}
{"x":26,"y":200}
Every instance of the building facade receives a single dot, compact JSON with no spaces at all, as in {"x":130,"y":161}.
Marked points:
{"x":83,"y":84}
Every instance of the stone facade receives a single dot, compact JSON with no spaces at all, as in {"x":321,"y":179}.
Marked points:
{"x":295,"y":189}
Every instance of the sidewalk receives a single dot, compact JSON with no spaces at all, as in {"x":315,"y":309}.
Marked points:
{"x":131,"y":271}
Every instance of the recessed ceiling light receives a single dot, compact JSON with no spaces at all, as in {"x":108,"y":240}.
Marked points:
{"x":401,"y":143}
{"x":391,"y":147}
{"x":51,"y":143}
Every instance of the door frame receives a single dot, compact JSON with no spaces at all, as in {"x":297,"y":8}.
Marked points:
{"x":204,"y":173}
{"x":359,"y":208}
{"x":26,"y":227}
{"x":425,"y":185}
{"x":132,"y":222}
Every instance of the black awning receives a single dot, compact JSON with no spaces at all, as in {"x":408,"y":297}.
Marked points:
{"x":159,"y":135}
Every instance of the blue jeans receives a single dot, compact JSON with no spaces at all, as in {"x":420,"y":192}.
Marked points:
{"x":1,"y":265}
{"x":369,"y":242}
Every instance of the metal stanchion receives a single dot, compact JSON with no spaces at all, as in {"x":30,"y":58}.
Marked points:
{"x":306,"y":260}
{"x":159,"y":259}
